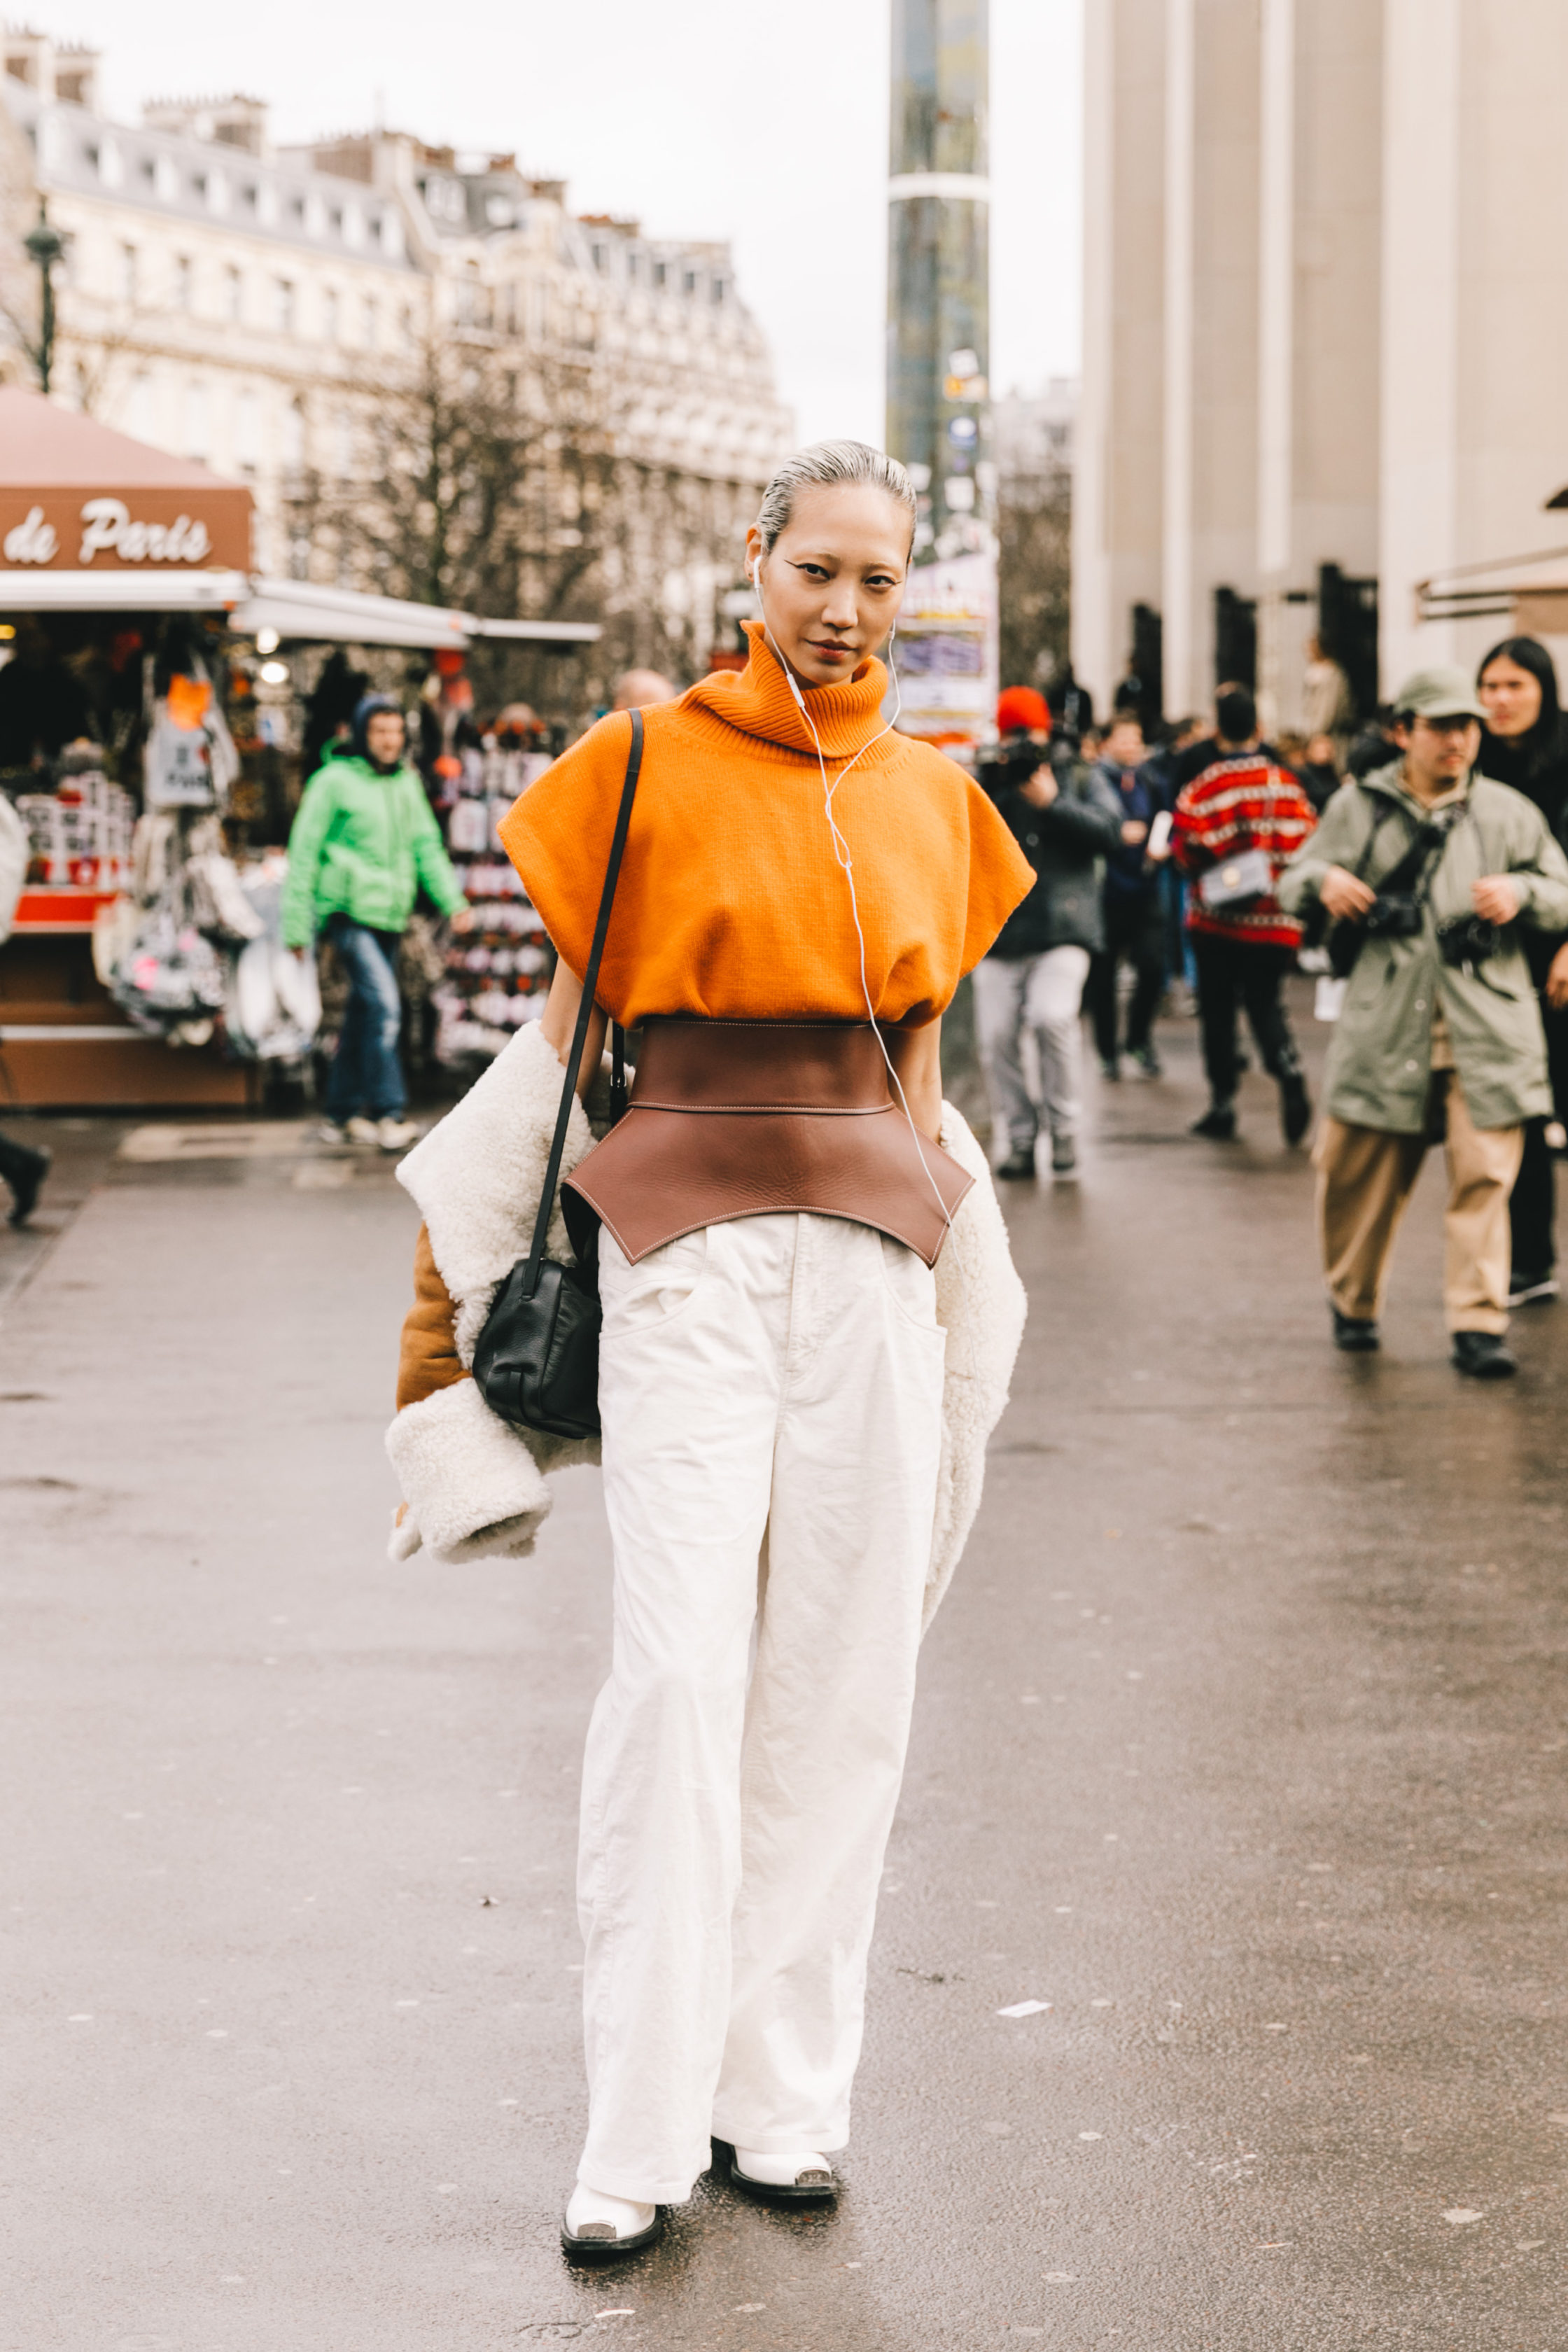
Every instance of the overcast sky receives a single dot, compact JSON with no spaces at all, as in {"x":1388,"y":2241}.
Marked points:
{"x":733,"y":119}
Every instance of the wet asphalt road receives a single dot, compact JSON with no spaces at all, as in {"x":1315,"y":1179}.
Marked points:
{"x":1241,"y":1743}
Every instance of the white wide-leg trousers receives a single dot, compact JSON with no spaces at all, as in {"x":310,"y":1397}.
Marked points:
{"x":771,"y":1392}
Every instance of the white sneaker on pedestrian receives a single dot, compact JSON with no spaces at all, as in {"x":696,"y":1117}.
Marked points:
{"x":396,"y":1134}
{"x":330,"y":1131}
{"x":361,"y":1130}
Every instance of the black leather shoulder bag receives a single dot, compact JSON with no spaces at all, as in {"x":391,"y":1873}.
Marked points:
{"x":537,"y":1360}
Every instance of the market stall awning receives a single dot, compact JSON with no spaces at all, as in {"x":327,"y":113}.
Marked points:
{"x":76,"y":497}
{"x":121,"y":591}
{"x":92,"y":521}
{"x":308,"y":612}
{"x":1531,"y":591}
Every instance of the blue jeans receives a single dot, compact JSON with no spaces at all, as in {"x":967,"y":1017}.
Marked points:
{"x":366,"y":1075}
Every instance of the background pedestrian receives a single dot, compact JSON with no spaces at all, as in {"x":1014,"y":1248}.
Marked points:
{"x":1067,"y":822}
{"x":1525,"y":745}
{"x":1133,"y":908}
{"x":22,"y":1168}
{"x":1432,"y":867}
{"x":637,"y":689}
{"x":364,"y":842}
{"x":1244,"y":805}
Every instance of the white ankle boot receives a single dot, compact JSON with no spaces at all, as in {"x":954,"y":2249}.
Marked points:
{"x":598,"y":2223}
{"x":795,"y":2173}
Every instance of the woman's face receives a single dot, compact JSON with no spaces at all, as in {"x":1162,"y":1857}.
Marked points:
{"x":384,"y":735}
{"x":831,"y":587}
{"x":1510,"y":696}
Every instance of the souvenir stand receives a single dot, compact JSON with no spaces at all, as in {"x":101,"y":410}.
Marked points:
{"x":143,"y":722}
{"x":116,"y":561}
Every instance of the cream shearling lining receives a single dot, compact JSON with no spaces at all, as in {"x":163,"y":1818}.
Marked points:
{"x":472,"y":1491}
{"x":477,"y":1178}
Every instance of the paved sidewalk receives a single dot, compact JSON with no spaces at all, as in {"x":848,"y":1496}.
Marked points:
{"x":1241,"y":1743}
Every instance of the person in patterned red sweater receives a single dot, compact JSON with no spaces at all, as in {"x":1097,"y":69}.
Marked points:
{"x":1243,"y":800}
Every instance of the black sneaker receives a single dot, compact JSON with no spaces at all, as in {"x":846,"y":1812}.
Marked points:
{"x":1295,"y":1107}
{"x":1483,"y":1356}
{"x":26,"y":1182}
{"x":1147,"y":1062}
{"x":1017,"y":1168}
{"x":1356,"y":1335}
{"x":1530,"y":1289}
{"x":1218,"y":1124}
{"x":1111,"y":1071}
{"x":1063,"y":1156}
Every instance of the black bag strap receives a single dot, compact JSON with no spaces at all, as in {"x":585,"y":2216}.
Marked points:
{"x":1416,"y":870}
{"x":586,"y":1013}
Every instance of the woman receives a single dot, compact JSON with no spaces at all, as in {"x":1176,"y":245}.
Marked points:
{"x":772,"y":1362}
{"x":1526,"y":745}
{"x":363,"y":843}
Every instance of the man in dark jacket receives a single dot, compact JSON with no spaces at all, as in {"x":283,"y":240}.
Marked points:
{"x":1066,"y":825}
{"x":1134,"y":907}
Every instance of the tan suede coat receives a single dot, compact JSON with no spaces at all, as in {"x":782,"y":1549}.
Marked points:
{"x":428,"y":1357}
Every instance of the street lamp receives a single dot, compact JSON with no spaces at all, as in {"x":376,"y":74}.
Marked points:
{"x":45,"y":246}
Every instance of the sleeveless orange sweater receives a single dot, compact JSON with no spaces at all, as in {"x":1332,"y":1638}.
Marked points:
{"x":730,"y":905}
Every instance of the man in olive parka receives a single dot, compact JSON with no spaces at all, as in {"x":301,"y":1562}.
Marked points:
{"x":1439,"y":1032}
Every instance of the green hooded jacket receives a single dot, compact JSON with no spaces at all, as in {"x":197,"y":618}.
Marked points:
{"x":1380,"y":1063}
{"x":361,"y":844}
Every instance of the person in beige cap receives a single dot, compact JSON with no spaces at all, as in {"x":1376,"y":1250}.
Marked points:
{"x":1426,"y":872}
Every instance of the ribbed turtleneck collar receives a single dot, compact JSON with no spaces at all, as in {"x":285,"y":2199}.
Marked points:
{"x":757,"y":701}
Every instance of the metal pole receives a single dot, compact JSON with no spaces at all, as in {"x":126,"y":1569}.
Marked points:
{"x":45,"y":246}
{"x":939,"y":393}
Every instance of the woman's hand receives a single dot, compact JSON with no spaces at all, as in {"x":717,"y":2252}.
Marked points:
{"x":561,"y":1019}
{"x":461,"y":919}
{"x":1132,"y":833}
{"x":1557,"y":980}
{"x":1345,"y":895}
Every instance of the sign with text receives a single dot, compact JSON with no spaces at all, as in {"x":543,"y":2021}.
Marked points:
{"x":114,"y":529}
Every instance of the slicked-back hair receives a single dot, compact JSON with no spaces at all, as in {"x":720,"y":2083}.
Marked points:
{"x":825,"y":466}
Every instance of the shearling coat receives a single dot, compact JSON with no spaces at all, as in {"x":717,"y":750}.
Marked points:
{"x":474,"y":1486}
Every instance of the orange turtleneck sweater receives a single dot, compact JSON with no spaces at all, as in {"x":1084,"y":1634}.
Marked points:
{"x":730,"y":905}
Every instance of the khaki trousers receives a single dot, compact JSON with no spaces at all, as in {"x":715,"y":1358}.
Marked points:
{"x":1364,"y":1179}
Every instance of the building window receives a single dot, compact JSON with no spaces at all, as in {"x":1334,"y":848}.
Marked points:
{"x":183,"y":275}
{"x":294,"y":438}
{"x":601,"y":257}
{"x":717,"y":292}
{"x":247,"y":431}
{"x":139,"y":420}
{"x":232,"y":293}
{"x":689,"y":281}
{"x":372,"y":324}
{"x":128,"y":275}
{"x":661,"y":273}
{"x":198,"y":421}
{"x":283,"y":306}
{"x":330,"y":316}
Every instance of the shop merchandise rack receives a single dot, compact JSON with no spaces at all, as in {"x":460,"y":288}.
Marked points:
{"x":498,"y":974}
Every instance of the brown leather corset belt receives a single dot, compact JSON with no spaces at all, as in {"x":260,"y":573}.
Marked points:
{"x":734,"y":1118}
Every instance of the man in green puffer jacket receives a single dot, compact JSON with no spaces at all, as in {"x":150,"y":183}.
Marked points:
{"x":1434,"y":868}
{"x":363,"y":843}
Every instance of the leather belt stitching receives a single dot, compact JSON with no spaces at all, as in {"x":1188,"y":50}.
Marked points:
{"x":810,"y":1110}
